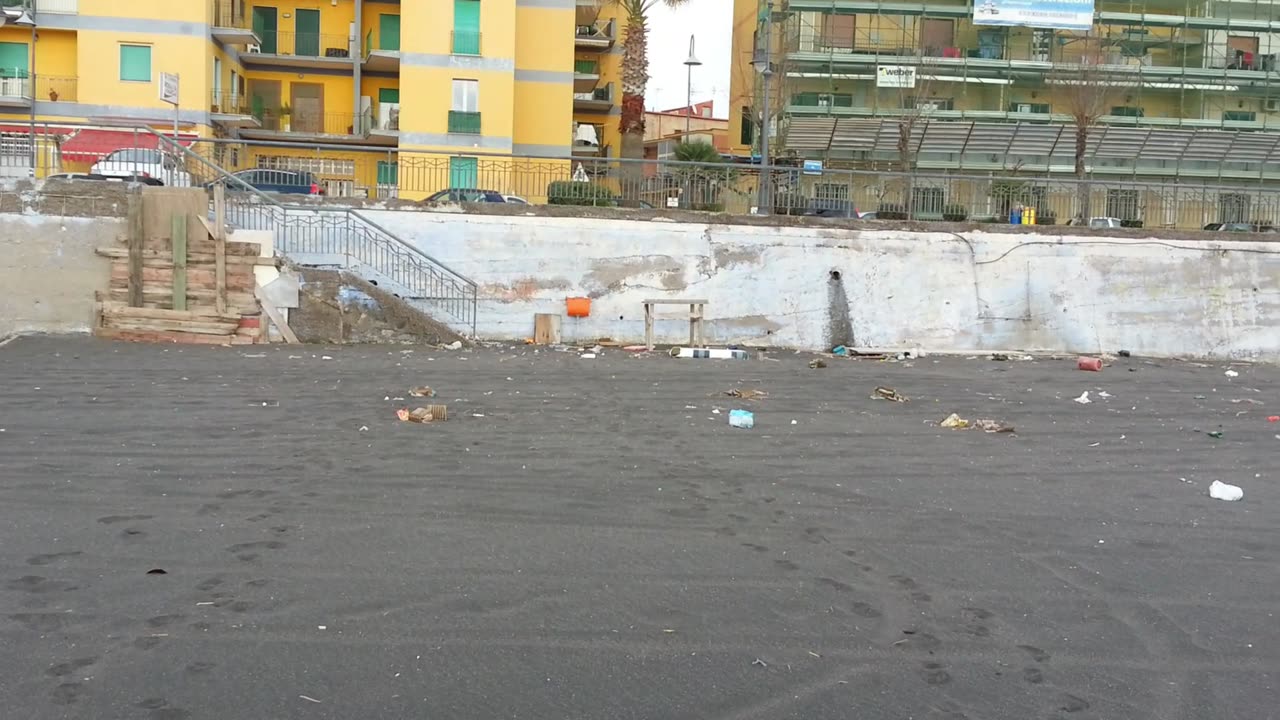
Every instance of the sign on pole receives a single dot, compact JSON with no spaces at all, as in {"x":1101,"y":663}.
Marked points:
{"x":169,"y":88}
{"x":1057,"y":14}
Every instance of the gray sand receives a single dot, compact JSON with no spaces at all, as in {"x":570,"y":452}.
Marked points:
{"x":591,"y":548}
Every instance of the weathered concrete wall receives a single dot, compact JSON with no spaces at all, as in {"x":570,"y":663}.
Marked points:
{"x":811,"y":287}
{"x":337,"y":307}
{"x":49,"y":272}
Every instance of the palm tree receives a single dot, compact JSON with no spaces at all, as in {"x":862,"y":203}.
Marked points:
{"x":635,"y":71}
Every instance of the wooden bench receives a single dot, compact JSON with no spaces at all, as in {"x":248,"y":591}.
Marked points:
{"x":697,"y":308}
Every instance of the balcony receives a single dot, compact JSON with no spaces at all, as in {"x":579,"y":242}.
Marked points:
{"x":381,"y":54}
{"x":586,"y":75}
{"x":386,"y":122}
{"x":599,"y":100}
{"x":598,"y":35}
{"x":285,"y":123}
{"x":313,"y":51}
{"x":232,"y":24}
{"x":17,"y":91}
{"x":588,"y":140}
{"x":232,"y":110}
{"x":465,"y":123}
{"x":465,"y":42}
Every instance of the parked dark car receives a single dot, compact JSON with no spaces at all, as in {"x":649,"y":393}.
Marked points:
{"x":467,"y":195}
{"x":284,"y":182}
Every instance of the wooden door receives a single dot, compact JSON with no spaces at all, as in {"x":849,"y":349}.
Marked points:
{"x":308,"y":107}
{"x":936,"y":36}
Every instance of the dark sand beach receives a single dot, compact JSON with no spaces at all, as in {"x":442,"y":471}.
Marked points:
{"x":578,"y":542}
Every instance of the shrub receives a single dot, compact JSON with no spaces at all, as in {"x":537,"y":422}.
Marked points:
{"x":1130,"y":223}
{"x":891,"y":211}
{"x":955,"y":213}
{"x":569,"y":192}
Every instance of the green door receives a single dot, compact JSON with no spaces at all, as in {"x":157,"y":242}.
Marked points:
{"x":388,"y":95}
{"x":307,"y":25}
{"x":388,"y":173}
{"x":389,"y":32}
{"x":13,"y":60}
{"x":264,"y":26}
{"x":463,"y":172}
{"x":466,"y":27}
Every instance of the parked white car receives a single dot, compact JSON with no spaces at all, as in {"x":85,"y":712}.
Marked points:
{"x":143,"y":162}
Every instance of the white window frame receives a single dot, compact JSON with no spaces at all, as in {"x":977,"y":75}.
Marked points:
{"x":466,"y":96}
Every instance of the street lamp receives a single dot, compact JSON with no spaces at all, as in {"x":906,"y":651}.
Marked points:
{"x":691,"y":62}
{"x":25,"y":20}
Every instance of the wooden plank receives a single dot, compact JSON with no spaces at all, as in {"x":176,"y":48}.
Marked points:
{"x":179,"y":261}
{"x":276,"y":317}
{"x":546,"y":328}
{"x":171,"y":337}
{"x":220,"y":237}
{"x":135,"y":249}
{"x":154,"y":258}
{"x":110,"y":308}
{"x":197,"y":278}
{"x":211,"y":327}
{"x":162,"y":297}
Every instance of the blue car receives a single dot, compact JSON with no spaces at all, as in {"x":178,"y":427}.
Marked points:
{"x":284,"y":182}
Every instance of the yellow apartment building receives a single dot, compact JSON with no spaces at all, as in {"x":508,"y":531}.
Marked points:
{"x":384,"y":86}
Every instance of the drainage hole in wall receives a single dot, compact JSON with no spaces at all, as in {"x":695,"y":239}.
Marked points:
{"x":835,"y":274}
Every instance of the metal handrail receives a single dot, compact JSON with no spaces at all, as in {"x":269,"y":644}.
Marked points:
{"x":349,"y":221}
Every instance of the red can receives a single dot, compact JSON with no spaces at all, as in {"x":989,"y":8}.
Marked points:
{"x":1089,"y":363}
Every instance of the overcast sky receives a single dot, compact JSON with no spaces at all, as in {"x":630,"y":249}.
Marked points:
{"x":711,"y":22}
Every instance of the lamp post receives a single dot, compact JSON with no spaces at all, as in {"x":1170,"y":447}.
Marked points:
{"x":26,"y":20}
{"x":691,"y":62}
{"x":763,"y":64}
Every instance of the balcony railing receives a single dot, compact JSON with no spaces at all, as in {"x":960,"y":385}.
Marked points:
{"x":230,"y":103}
{"x":600,"y":33}
{"x":603,"y":94}
{"x":278,"y":119}
{"x":586,"y":67}
{"x":52,"y":88}
{"x":464,"y":122}
{"x":466,"y":42}
{"x":303,"y":45}
{"x":60,"y":7}
{"x":226,"y":13}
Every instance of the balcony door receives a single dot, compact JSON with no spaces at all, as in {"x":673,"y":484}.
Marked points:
{"x":265,"y":26}
{"x":307,"y":24}
{"x":936,"y":35}
{"x":308,"y":107}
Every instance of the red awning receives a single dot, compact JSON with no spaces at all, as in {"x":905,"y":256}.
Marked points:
{"x":94,"y":144}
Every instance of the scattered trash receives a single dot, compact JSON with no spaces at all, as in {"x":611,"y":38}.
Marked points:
{"x":760,"y":662}
{"x":817,"y":363}
{"x":636,"y":348}
{"x":422,"y":391}
{"x":1222,"y":491}
{"x":955,"y":422}
{"x":840,"y":350}
{"x":309,"y":699}
{"x":749,"y":394}
{"x":455,"y":345}
{"x":1198,"y":397}
{"x":1270,"y":418}
{"x":1215,"y":434}
{"x":1250,"y":401}
{"x":1091,"y":364}
{"x":157,"y":571}
{"x":1084,"y":398}
{"x":588,"y":356}
{"x":742,"y":419}
{"x":364,"y":428}
{"x":888,"y":393}
{"x":1124,"y":353}
{"x":1104,"y":394}
{"x":322,"y":627}
{"x":793,"y":422}
{"x":999,"y":357}
{"x":1231,"y":373}
{"x":325,"y":357}
{"x":709,"y":353}
{"x":430,"y":413}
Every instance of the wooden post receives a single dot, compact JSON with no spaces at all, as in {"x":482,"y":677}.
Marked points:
{"x":220,"y":245}
{"x":135,"y":249}
{"x":179,"y":261}
{"x":648,"y":325}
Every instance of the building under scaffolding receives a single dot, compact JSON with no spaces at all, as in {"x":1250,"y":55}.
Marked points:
{"x":1187,"y":89}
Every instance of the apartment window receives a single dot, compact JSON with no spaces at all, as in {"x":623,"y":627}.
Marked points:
{"x":1127,"y":111}
{"x":929,"y":104}
{"x":135,"y":63}
{"x":1240,"y":115}
{"x":13,"y":60}
{"x":837,"y":31}
{"x":464,"y":113}
{"x":1033,"y":108}
{"x":466,"y":27}
{"x":747,"y":135}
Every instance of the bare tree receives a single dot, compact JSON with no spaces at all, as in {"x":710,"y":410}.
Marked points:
{"x":1087,"y":92}
{"x":916,"y":103}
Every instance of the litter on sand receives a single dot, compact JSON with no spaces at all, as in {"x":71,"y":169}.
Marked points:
{"x":1222,"y":491}
{"x":709,"y":353}
{"x":747,"y":394}
{"x":430,"y":413}
{"x":817,"y":363}
{"x":1084,"y":398}
{"x":742,"y":419}
{"x":888,"y":393}
{"x":955,"y":422}
{"x":422,"y":391}
{"x":588,"y":356}
{"x":1231,"y":373}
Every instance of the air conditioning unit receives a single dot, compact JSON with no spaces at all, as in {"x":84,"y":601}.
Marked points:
{"x":1025,"y":108}
{"x":251,"y":48}
{"x":1271,"y":105}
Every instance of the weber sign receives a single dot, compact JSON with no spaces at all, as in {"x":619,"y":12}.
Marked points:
{"x":895,"y":76}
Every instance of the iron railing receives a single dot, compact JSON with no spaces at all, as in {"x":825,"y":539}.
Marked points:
{"x":466,"y":42}
{"x":231,"y":14}
{"x":1185,"y":203}
{"x":303,"y":45}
